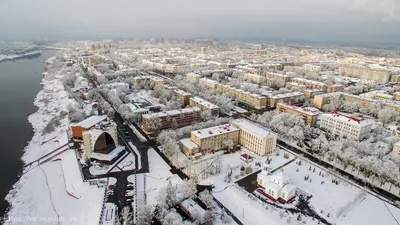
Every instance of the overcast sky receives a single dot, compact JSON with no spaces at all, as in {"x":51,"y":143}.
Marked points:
{"x":314,"y":20}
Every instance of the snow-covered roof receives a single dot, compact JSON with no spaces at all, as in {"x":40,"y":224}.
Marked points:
{"x":252,"y":127}
{"x":347,"y":119}
{"x":308,"y":81}
{"x":206,"y":80}
{"x":213,"y":131}
{"x":107,"y":157}
{"x":309,"y":111}
{"x":287,"y":95}
{"x":193,"y":74}
{"x":204,"y":103}
{"x":188,"y":143}
{"x":109,"y":213}
{"x":91,"y":121}
{"x":193,"y":208}
{"x":288,"y":188}
{"x":182,"y":92}
{"x":280,"y":179}
{"x":171,"y":113}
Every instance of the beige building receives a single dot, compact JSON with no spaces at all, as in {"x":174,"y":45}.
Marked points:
{"x":255,"y":78}
{"x":364,"y":73}
{"x":252,"y":100}
{"x":254,"y":137}
{"x":193,"y":76}
{"x":396,"y":149}
{"x":248,"y":69}
{"x":309,"y":115}
{"x":208,"y":83}
{"x":215,"y":138}
{"x":290,"y":98}
{"x":395,"y":79}
{"x":334,"y":88}
{"x":183,"y":96}
{"x":313,"y":92}
{"x":312,"y":84}
{"x":281,"y":78}
{"x":204,"y":105}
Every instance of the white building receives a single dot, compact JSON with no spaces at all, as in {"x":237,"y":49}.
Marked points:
{"x":211,"y":84}
{"x":346,"y":126}
{"x":277,"y":187}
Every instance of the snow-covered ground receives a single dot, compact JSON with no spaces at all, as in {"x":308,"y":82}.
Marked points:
{"x":16,"y":56}
{"x":40,"y":196}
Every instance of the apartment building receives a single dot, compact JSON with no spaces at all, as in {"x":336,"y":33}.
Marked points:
{"x":170,"y":119}
{"x":255,"y":137}
{"x":281,"y":78}
{"x":396,"y":96}
{"x":295,"y":98}
{"x":321,"y":100}
{"x":365,"y":73}
{"x":215,"y":138}
{"x":204,"y":105}
{"x":395,"y":78}
{"x":312,"y":84}
{"x":396,"y":149}
{"x":154,"y":80}
{"x":312,"y":68}
{"x":255,"y":78}
{"x":346,"y":126}
{"x":309,"y":115}
{"x":334,"y":88}
{"x":313,"y":92}
{"x":248,"y":69}
{"x":193,"y":76}
{"x":251,"y":100}
{"x":294,"y":85}
{"x":210,"y":84}
{"x":183,"y":96}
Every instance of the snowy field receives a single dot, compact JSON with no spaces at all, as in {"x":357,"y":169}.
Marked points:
{"x":40,"y":196}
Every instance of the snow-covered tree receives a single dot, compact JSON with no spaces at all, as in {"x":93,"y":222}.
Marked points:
{"x":154,"y":123}
{"x":172,"y":105}
{"x":207,"y":199}
{"x":205,"y":115}
{"x":387,"y":115}
{"x":172,"y":218}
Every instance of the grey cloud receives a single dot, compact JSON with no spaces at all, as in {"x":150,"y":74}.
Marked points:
{"x":355,"y":20}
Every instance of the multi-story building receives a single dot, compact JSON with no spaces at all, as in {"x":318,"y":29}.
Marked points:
{"x":365,"y":73}
{"x":396,"y":96}
{"x":312,"y":84}
{"x":183,"y":96}
{"x":334,"y":88}
{"x":248,"y":69}
{"x":87,"y":124}
{"x":210,"y":84}
{"x":215,"y":138}
{"x":395,"y":78}
{"x":311,"y":67}
{"x":280,"y":78}
{"x":204,"y":105}
{"x":346,"y":126}
{"x":321,"y":100}
{"x":248,"y":99}
{"x":295,"y":98}
{"x":294,"y":85}
{"x":155,"y":122}
{"x":255,"y":78}
{"x":313,"y":92}
{"x":193,"y":76}
{"x":254,"y":137}
{"x":309,"y":115}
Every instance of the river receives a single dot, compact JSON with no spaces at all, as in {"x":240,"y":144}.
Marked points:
{"x":19,"y":84}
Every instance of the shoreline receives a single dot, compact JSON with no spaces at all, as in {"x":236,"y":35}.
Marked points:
{"x":5,"y":58}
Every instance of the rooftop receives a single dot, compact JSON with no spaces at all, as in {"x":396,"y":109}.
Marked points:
{"x":213,"y":131}
{"x":255,"y":128}
{"x":188,"y":143}
{"x":308,"y":81}
{"x":91,"y":121}
{"x":182,"y":92}
{"x":204,"y":103}
{"x":171,"y":113}
{"x":287,"y":95}
{"x":308,"y":110}
{"x":359,"y":122}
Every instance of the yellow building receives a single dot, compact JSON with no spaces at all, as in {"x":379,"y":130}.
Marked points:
{"x":215,"y":138}
{"x":254,"y":137}
{"x":208,"y":83}
{"x":309,"y":115}
{"x":252,"y":100}
{"x":281,"y":78}
{"x":204,"y":105}
{"x":364,"y":73}
{"x":334,"y":88}
{"x":396,"y":96}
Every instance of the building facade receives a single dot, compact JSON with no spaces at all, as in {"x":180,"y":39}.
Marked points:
{"x":215,"y":138}
{"x":346,"y":126}
{"x":310,"y":116}
{"x":155,"y":122}
{"x":208,"y":83}
{"x":365,"y":73}
{"x":204,"y":105}
{"x":251,"y":100}
{"x":254,"y":137}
